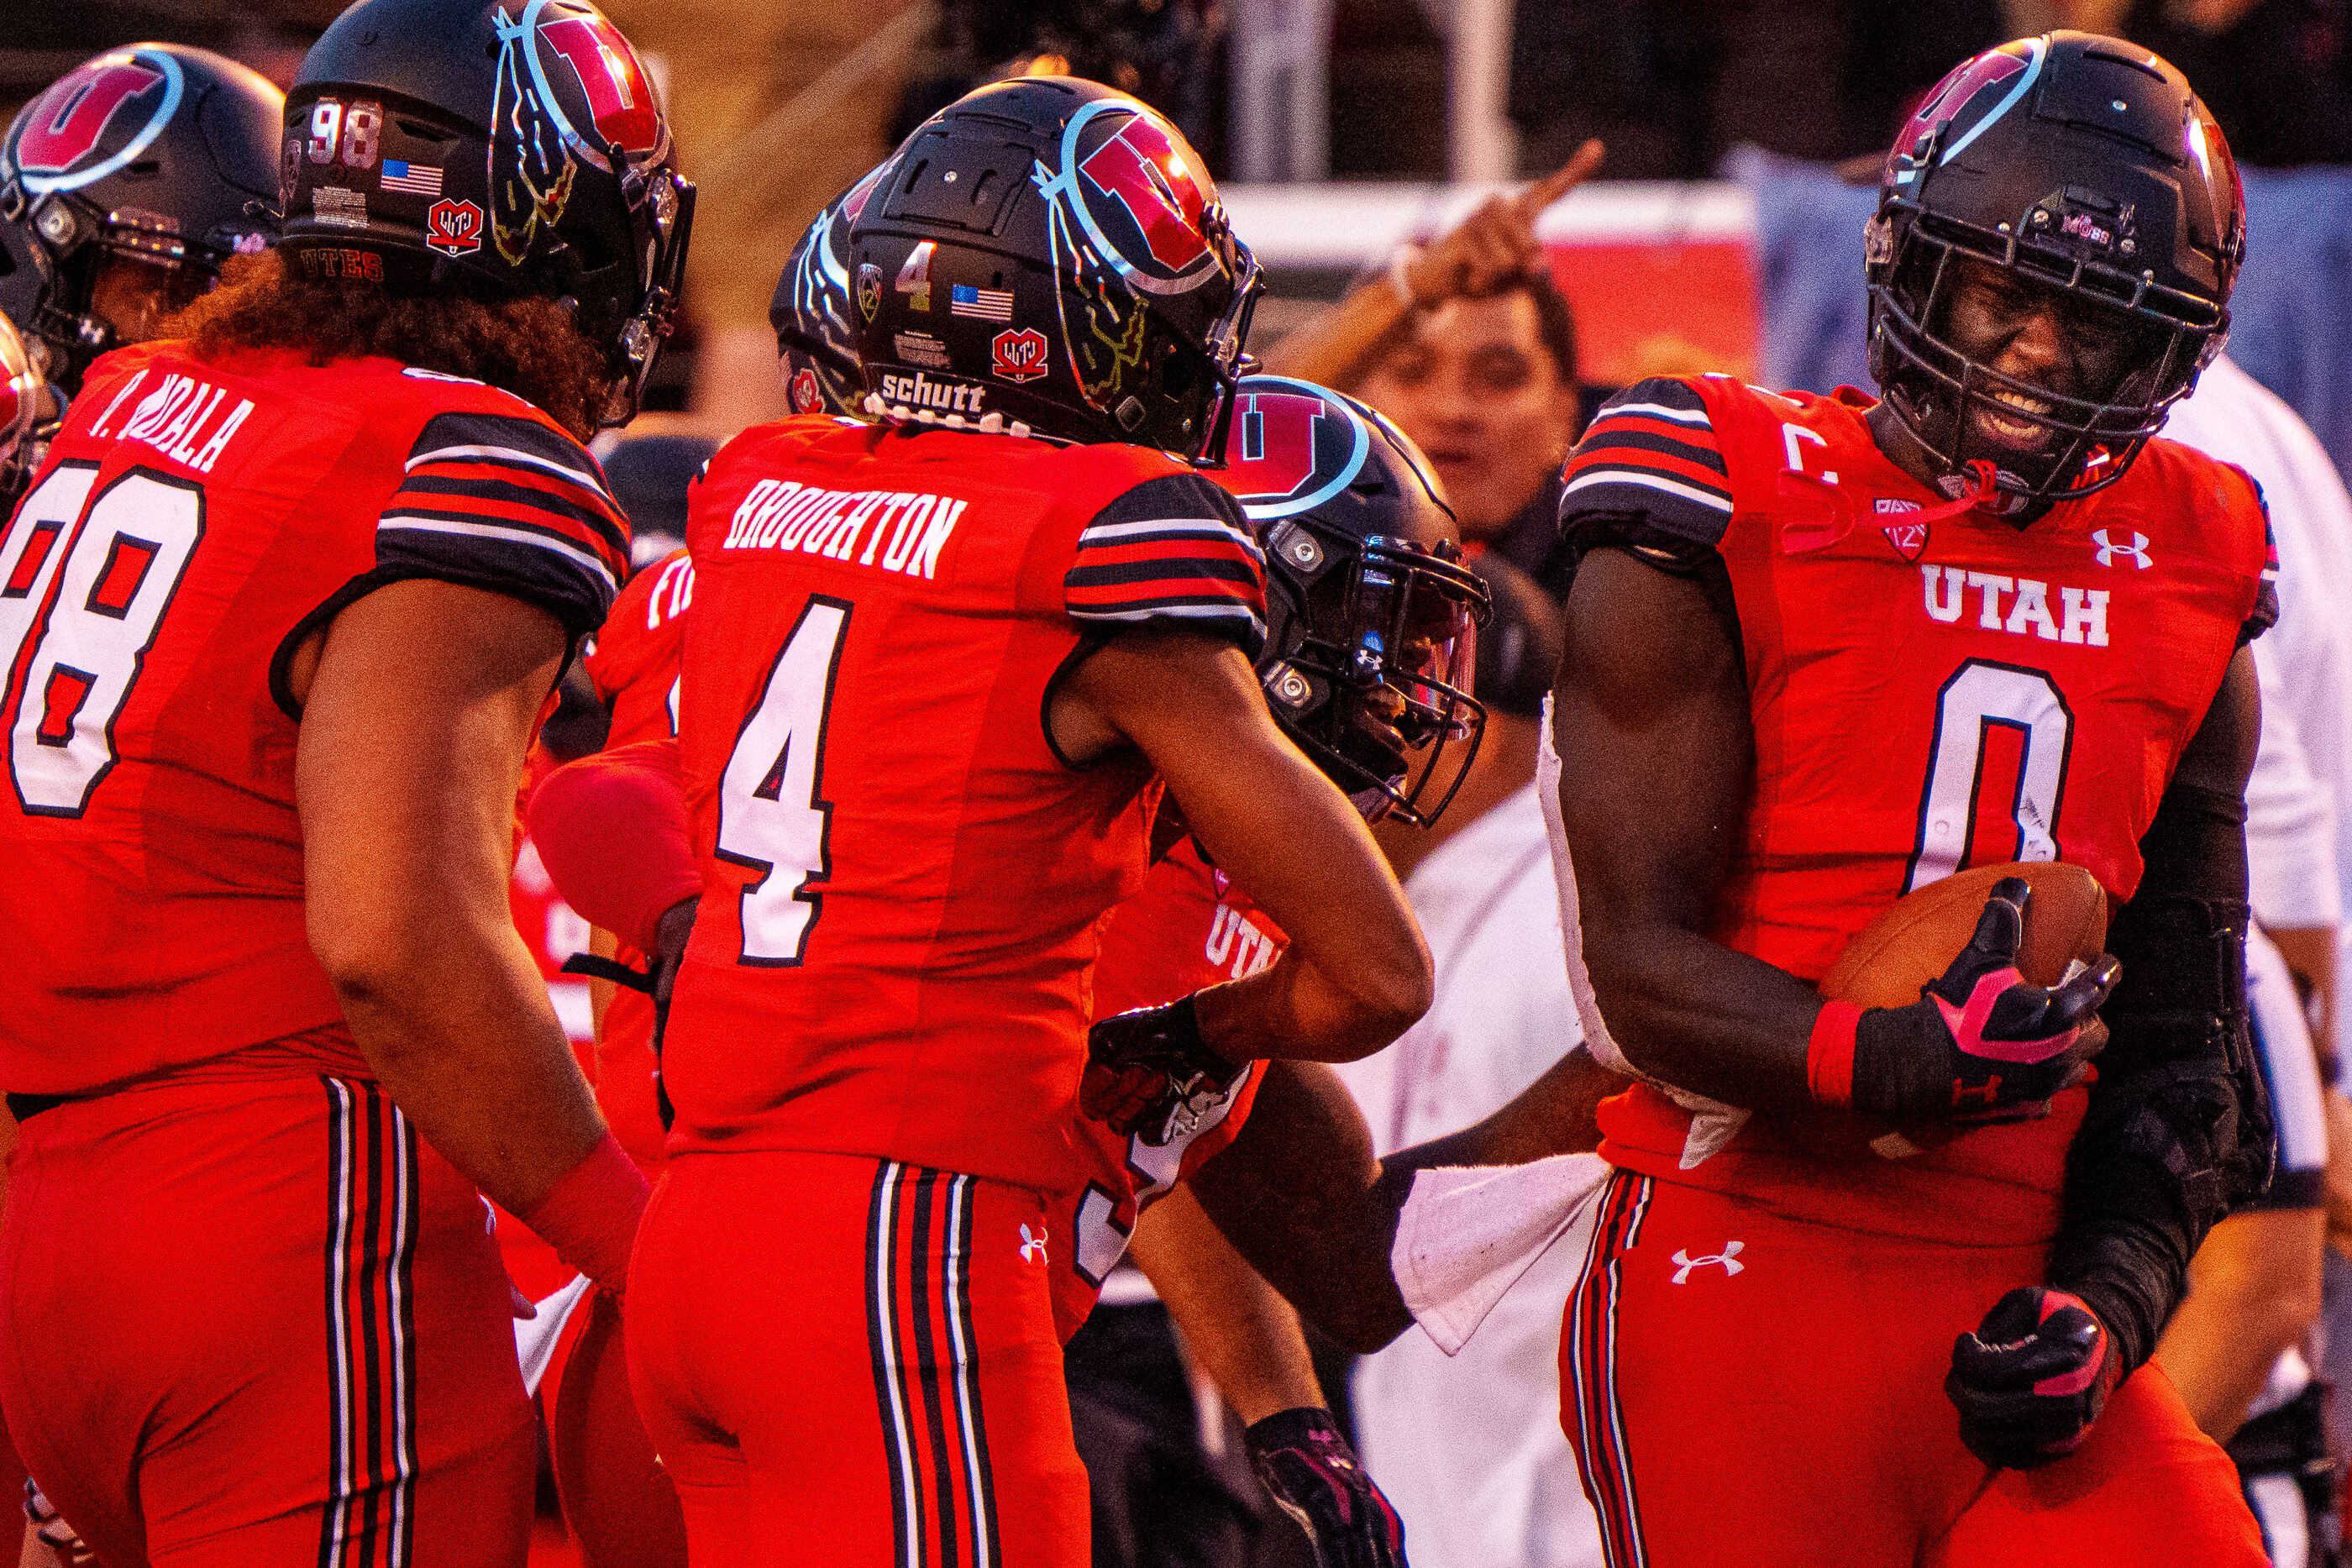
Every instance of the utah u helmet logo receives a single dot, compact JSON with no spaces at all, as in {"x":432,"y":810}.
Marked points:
{"x":61,"y":143}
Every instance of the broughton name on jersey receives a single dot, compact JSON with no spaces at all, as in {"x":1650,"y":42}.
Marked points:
{"x":2018,"y":605}
{"x":902,"y":530}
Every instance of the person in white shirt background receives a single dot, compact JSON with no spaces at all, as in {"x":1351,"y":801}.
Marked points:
{"x":2237,"y":1345}
{"x":1469,"y":1448}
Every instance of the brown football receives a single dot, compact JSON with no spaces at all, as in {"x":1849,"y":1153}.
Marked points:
{"x":1916,"y":940}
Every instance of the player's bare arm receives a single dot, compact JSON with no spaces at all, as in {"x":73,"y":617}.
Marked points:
{"x":2254,"y":1296}
{"x":1651,"y":719}
{"x":1356,"y":973}
{"x":1237,"y":1329}
{"x":415,"y":721}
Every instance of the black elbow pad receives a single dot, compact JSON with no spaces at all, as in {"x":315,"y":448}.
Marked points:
{"x":2179,"y":1131}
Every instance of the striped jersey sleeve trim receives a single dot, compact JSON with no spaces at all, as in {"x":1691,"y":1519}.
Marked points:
{"x":511,"y":504}
{"x":1650,"y":454}
{"x":1169,"y":550}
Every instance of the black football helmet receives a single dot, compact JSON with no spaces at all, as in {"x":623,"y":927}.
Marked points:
{"x":2080,"y":163}
{"x":1048,"y":254}
{"x":505,"y":147}
{"x":816,"y":326}
{"x":1371,"y":616}
{"x":157,"y":151}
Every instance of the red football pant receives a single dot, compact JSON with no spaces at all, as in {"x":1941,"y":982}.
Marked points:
{"x":852,"y":1362}
{"x":1743,"y":1390}
{"x":258,"y":1324}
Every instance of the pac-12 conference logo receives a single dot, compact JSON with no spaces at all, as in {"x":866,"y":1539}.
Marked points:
{"x":95,"y":120}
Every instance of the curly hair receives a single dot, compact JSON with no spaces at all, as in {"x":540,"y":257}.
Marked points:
{"x":527,"y":346}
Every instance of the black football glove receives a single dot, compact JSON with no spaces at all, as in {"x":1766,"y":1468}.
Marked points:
{"x":1313,"y":1476}
{"x":2032,"y":1379}
{"x":1149,"y":1074}
{"x":1982,"y":1043}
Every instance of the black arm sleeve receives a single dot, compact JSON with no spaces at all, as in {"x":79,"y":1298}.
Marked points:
{"x":2179,"y":1131}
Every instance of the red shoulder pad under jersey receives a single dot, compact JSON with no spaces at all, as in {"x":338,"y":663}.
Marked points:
{"x":1648,"y":472}
{"x":497,"y":495}
{"x":633,"y":661}
{"x":1176,"y":550}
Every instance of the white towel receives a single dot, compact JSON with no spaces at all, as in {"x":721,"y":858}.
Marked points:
{"x":535,"y":1337}
{"x":1468,"y":1232}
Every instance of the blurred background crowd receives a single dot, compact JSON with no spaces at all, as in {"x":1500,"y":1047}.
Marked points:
{"x":1417,"y":175}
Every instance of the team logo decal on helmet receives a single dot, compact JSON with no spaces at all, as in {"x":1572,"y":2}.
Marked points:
{"x":1018,"y":355}
{"x":1292,"y":447}
{"x":807,"y":393}
{"x":569,"y":87}
{"x":1136,"y":197}
{"x":454,"y":228}
{"x":1934,"y":130}
{"x":61,"y":143}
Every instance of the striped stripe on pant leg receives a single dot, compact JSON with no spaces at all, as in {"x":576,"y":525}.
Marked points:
{"x":918,"y":1327}
{"x":371,"y":1225}
{"x":1591,"y":1339}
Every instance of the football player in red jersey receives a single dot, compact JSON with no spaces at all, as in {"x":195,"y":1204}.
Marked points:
{"x":282,"y":608}
{"x":124,"y":186}
{"x":1360,"y":535}
{"x":1823,"y":650}
{"x":933,"y":669}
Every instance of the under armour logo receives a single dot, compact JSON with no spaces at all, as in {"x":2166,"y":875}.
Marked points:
{"x":1729,"y":1258}
{"x":2135,"y":552}
{"x":1033,"y":1248}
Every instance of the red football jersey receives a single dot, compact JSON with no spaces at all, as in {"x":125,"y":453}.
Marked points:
{"x":633,"y":665}
{"x":633,"y":659}
{"x":903,"y":882}
{"x":1188,"y":926}
{"x":1926,"y":696}
{"x":194,"y":521}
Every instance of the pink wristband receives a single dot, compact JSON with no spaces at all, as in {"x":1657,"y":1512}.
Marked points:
{"x":590,"y":1216}
{"x":1829,"y":1053}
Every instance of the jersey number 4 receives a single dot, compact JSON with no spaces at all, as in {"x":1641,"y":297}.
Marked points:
{"x":116,"y":559}
{"x":770,"y":816}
